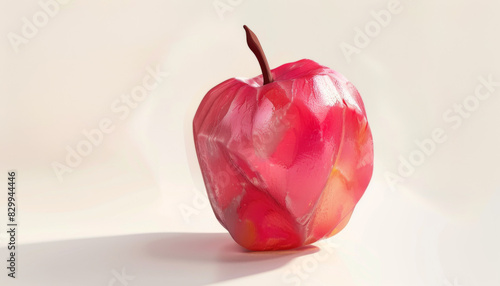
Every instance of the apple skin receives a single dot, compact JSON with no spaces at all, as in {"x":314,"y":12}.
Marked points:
{"x":284,"y":163}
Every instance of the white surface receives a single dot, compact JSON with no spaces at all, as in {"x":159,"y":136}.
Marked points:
{"x":120,"y":208}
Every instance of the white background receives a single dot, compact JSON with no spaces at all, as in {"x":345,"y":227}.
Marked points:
{"x":119,"y":211}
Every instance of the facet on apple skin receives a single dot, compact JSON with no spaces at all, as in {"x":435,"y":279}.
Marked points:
{"x":304,"y":68}
{"x":271,"y":158}
{"x":258,"y":222}
{"x":318,"y":144}
{"x":212,"y":109}
{"x":347,"y":181}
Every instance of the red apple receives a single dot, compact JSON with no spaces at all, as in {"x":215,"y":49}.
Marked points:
{"x":285,"y":156}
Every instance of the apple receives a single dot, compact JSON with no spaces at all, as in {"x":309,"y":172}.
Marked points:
{"x":285,"y":156}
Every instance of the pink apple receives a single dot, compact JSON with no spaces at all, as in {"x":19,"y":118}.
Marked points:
{"x":285,"y":156}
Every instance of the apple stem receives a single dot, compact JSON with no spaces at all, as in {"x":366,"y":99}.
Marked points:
{"x":256,"y":48}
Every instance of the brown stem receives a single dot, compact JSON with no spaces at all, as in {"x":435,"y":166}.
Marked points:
{"x":256,"y":48}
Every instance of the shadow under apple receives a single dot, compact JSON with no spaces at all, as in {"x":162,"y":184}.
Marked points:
{"x":145,"y":259}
